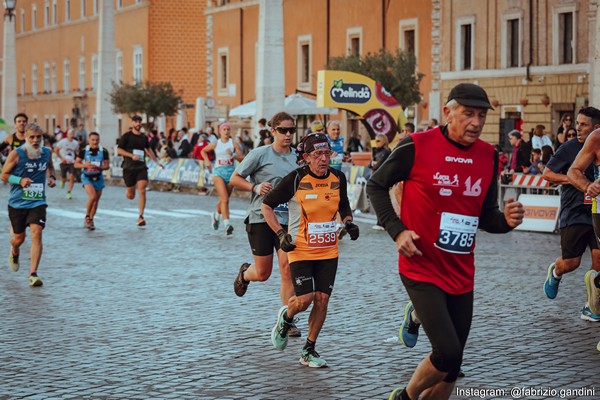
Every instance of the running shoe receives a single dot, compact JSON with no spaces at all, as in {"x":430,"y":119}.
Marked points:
{"x":240,"y":285}
{"x":551,"y":284}
{"x":35,"y":280}
{"x":279,"y":333}
{"x":311,"y":358}
{"x":598,"y":346}
{"x":588,"y":315}
{"x":62,"y":185}
{"x":141,"y":221}
{"x":409,"y":330}
{"x":86,"y":223}
{"x":295,"y":331}
{"x":215,"y":221}
{"x":593,"y":291}
{"x":13,"y":261}
{"x":229,"y":230}
{"x":69,"y":197}
{"x":91,"y":226}
{"x":395,"y":395}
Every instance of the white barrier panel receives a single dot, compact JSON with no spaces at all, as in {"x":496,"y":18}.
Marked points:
{"x":541,"y":212}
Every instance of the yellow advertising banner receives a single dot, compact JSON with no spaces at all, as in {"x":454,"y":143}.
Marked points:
{"x":379,"y":110}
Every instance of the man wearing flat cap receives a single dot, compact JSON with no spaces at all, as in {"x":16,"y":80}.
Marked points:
{"x":450,"y":190}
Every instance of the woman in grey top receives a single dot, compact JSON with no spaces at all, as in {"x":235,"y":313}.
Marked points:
{"x":265,"y":166}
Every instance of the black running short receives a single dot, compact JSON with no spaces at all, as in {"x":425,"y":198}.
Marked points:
{"x":64,"y":168}
{"x":262,"y":239}
{"x":314,"y":276}
{"x":446,"y":319}
{"x":21,"y":218}
{"x":132,"y":176}
{"x":575,"y":239}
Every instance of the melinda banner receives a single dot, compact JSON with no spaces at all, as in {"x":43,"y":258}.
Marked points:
{"x":381,"y":114}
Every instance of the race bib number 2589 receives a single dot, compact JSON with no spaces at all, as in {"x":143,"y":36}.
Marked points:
{"x":457,"y":233}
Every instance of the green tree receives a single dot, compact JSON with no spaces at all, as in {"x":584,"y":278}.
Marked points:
{"x":151,"y":99}
{"x":396,"y":72}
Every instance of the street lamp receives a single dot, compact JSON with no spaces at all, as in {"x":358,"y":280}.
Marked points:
{"x":9,"y":6}
{"x":9,"y":65}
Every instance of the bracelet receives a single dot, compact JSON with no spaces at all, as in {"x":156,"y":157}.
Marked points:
{"x":15,"y":180}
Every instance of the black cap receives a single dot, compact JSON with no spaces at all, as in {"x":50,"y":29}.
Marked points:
{"x":136,"y":118}
{"x":316,"y":141}
{"x":470,"y":95}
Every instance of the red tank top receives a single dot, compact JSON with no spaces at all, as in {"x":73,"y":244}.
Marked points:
{"x":442,"y":202}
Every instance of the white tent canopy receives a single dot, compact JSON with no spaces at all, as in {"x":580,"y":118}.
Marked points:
{"x":294,"y":104}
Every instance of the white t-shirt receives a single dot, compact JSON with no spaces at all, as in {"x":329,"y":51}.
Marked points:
{"x":68,"y":149}
{"x":538,"y":141}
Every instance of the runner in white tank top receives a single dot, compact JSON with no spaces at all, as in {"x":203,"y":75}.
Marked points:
{"x":226,"y":150}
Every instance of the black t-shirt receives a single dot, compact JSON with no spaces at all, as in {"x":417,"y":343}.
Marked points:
{"x":572,"y":209}
{"x":135,"y":144}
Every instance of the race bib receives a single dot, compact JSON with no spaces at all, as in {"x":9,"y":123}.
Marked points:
{"x":283,"y":207}
{"x":322,"y":234}
{"x":222,"y":162}
{"x":587,"y":199}
{"x":457,"y":233}
{"x":96,"y":163}
{"x":139,"y":153}
{"x":35,"y":191}
{"x":336,"y":161}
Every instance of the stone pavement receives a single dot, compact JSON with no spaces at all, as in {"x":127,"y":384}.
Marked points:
{"x":150,"y":313}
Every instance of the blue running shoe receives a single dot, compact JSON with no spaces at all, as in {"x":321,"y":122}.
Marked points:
{"x":409,"y":330}
{"x":215,"y":221}
{"x":551,"y":284}
{"x":588,"y":315}
{"x":312,"y":359}
{"x":279,"y":333}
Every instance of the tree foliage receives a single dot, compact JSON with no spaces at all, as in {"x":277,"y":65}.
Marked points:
{"x":151,"y":99}
{"x":396,"y":72}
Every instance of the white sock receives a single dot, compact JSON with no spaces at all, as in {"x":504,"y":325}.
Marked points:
{"x":554,"y":274}
{"x":414,"y":317}
{"x":226,"y":222}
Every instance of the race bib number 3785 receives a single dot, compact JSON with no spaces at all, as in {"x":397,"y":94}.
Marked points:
{"x":457,"y":233}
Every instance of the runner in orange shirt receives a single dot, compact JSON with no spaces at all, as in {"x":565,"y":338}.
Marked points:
{"x":314,"y":193}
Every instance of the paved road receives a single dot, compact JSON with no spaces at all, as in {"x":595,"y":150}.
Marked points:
{"x":136,"y":313}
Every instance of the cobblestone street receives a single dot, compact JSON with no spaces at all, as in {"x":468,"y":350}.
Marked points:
{"x":139,"y":313}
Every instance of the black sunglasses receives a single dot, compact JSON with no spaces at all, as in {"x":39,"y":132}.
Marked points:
{"x":285,"y":130}
{"x":572,"y":136}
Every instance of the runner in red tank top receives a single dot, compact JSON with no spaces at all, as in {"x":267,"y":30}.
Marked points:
{"x":450,"y":191}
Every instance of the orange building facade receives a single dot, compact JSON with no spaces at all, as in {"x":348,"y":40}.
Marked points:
{"x":57,"y":54}
{"x":314,"y":30}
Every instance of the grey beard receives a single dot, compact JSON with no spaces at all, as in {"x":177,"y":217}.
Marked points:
{"x":32,"y":153}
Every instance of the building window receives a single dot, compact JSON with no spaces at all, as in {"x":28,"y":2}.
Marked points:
{"x":33,"y":16}
{"x":564,"y":34}
{"x":119,"y":4}
{"x":23,"y":84}
{"x":94,"y":71}
{"x":46,"y":14}
{"x":223,"y":71}
{"x":137,"y":64}
{"x":465,"y":43}
{"x":354,"y":41}
{"x":304,"y":61}
{"x":34,"y":80}
{"x":565,"y":24}
{"x":54,"y":13}
{"x":22,"y":20}
{"x":95,"y":7}
{"x":46,"y":78}
{"x":53,"y":77}
{"x":119,"y":67}
{"x":82,"y":74}
{"x":409,"y":40}
{"x":67,"y":10}
{"x":512,"y":40}
{"x":83,"y":10}
{"x":66,"y":75}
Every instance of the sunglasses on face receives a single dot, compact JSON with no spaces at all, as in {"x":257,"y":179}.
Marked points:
{"x":572,"y":135}
{"x":285,"y":130}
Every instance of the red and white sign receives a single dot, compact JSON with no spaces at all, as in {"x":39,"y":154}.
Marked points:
{"x":530,"y":180}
